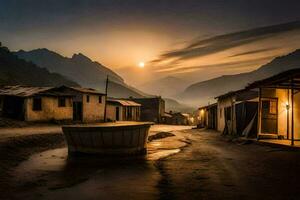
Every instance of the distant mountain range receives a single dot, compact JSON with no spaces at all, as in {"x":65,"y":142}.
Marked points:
{"x":175,"y":106}
{"x":82,"y":70}
{"x":88,"y":73}
{"x":167,"y":86}
{"x":16,"y":71}
{"x":202,"y":93}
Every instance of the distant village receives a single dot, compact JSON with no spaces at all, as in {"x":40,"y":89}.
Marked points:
{"x":82,"y":105}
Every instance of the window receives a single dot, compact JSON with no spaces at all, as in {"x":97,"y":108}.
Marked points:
{"x":61,"y":102}
{"x":273,"y":107}
{"x":100,"y":99}
{"x":37,"y":104}
{"x":87,"y":98}
{"x":270,"y":106}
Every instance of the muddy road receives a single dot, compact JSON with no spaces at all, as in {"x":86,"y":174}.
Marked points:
{"x":193,"y":164}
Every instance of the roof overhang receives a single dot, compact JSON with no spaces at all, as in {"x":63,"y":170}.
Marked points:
{"x":285,"y":80}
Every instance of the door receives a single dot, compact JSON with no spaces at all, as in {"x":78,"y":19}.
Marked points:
{"x":77,"y":111}
{"x":117,"y":113}
{"x":13,"y":107}
{"x":269,"y":116}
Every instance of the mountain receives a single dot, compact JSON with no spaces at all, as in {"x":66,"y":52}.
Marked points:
{"x":167,"y":86}
{"x":16,"y":71}
{"x":175,"y":106}
{"x":81,"y":69}
{"x":203,"y":92}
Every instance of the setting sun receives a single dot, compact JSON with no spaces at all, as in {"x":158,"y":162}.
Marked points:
{"x":141,"y":64}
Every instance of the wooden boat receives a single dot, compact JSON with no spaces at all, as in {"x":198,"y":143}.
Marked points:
{"x":108,"y":138}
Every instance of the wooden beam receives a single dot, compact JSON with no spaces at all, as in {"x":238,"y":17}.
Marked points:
{"x":292,"y":99}
{"x":259,"y":114}
{"x":288,"y":116}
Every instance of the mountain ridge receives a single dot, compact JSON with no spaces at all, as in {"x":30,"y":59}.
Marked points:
{"x":208,"y":89}
{"x":81,"y":69}
{"x":167,"y":86}
{"x":16,"y":71}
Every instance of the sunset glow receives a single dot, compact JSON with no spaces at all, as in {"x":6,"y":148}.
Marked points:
{"x":141,"y":64}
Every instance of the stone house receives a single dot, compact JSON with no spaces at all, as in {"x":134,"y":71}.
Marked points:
{"x":35,"y":103}
{"x":52,"y":103}
{"x":88,"y":103}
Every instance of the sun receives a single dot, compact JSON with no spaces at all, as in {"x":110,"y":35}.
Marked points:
{"x":141,"y":64}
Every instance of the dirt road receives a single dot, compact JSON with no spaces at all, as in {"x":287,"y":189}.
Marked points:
{"x":208,"y":167}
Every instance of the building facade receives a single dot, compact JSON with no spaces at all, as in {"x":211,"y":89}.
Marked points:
{"x":35,"y":103}
{"x":208,"y":116}
{"x":152,"y":109}
{"x":236,"y":112}
{"x":123,"y":110}
{"x":279,"y":107}
{"x":52,"y":103}
{"x":88,"y":103}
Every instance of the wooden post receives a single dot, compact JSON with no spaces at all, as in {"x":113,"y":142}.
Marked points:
{"x":259,"y":114}
{"x":292,"y":99}
{"x":288,"y":116}
{"x":105,"y":106}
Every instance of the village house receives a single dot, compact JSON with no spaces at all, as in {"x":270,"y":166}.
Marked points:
{"x":52,"y":103}
{"x":279,"y":107}
{"x":166,"y":118}
{"x":208,"y":116}
{"x":152,"y":109}
{"x":35,"y":103}
{"x":88,"y":104}
{"x":122,"y":110}
{"x":237,"y":112}
{"x":176,"y":118}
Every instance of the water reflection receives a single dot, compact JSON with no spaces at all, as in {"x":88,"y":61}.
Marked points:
{"x":97,"y":177}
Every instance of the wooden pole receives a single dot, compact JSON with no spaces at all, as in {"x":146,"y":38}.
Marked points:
{"x":106,"y":90}
{"x":288,"y":116}
{"x":259,"y":114}
{"x":292,"y":99}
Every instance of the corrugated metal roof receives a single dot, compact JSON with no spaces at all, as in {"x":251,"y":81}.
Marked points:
{"x":123,"y":102}
{"x":22,"y":91}
{"x":86,"y":90}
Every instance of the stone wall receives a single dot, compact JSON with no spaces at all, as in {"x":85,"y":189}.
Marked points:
{"x":93,"y":111}
{"x":50,"y":110}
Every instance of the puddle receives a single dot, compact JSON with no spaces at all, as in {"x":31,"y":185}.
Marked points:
{"x":162,"y":153}
{"x":47,"y":161}
{"x":56,"y":175}
{"x":56,"y":160}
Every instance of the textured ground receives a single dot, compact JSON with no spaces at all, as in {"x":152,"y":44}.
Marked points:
{"x":193,"y":164}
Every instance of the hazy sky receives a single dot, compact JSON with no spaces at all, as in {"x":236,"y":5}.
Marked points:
{"x":193,"y":40}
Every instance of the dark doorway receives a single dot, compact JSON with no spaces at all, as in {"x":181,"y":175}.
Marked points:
{"x":244,"y":113}
{"x":269,"y":116}
{"x":212,"y":117}
{"x":227,"y":113}
{"x":13,"y":107}
{"x":77,"y":111}
{"x":117,"y":113}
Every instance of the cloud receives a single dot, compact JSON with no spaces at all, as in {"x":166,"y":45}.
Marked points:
{"x":231,"y":65}
{"x":224,"y":42}
{"x":254,"y":52}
